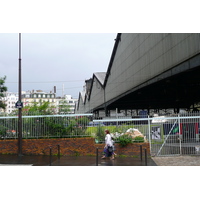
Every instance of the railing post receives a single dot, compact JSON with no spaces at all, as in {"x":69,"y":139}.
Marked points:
{"x":58,"y":151}
{"x":50,"y":154}
{"x":180,"y":136}
{"x":145,"y":154}
{"x":97,"y":152}
{"x":141,"y":152}
{"x":149,"y":126}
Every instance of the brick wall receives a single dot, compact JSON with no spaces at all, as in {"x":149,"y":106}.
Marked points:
{"x":68,"y":146}
{"x":130,"y":150}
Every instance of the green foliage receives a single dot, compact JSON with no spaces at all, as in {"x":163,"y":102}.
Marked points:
{"x":2,"y":90}
{"x":2,"y":130}
{"x":76,"y":153}
{"x":63,"y":107}
{"x":138,"y":139}
{"x":82,"y":121}
{"x":100,"y":133}
{"x":124,"y":140}
{"x":38,"y":108}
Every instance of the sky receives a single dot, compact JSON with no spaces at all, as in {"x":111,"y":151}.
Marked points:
{"x":50,"y":59}
{"x":64,"y":60}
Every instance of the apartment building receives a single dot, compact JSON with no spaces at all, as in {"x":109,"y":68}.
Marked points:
{"x":67,"y":100}
{"x":10,"y":98}
{"x":37,"y":96}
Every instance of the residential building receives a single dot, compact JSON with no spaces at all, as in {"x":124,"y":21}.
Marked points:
{"x":10,"y":98}
{"x":30,"y":97}
{"x":68,"y":101}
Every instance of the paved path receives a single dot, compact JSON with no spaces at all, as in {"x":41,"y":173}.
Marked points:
{"x":91,"y":161}
{"x":14,"y":160}
{"x":177,"y":161}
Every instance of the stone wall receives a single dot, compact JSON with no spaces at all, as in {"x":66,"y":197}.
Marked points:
{"x":68,"y":146}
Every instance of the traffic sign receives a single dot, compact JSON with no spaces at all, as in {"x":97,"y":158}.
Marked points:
{"x":18,"y":104}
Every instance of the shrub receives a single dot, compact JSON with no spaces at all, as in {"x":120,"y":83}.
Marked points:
{"x":125,"y":140}
{"x":139,"y":139}
{"x":2,"y":130}
{"x":100,"y":133}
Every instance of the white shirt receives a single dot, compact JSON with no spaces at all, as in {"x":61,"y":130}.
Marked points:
{"x":108,"y":140}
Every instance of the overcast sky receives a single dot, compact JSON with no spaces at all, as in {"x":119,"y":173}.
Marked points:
{"x":53,"y":59}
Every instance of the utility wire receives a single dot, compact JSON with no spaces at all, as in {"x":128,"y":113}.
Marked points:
{"x":49,"y":81}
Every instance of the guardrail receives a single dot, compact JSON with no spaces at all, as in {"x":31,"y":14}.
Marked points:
{"x":46,"y":126}
{"x":167,"y":135}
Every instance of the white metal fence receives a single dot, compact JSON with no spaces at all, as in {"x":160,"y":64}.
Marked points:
{"x":167,"y":135}
{"x":46,"y":126}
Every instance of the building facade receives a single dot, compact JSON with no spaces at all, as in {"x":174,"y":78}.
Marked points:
{"x":147,"y":71}
{"x":38,"y":96}
{"x":67,"y":101}
{"x":29,"y":97}
{"x":10,"y":98}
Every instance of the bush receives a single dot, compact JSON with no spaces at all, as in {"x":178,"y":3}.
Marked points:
{"x":100,"y":133}
{"x":139,"y":139}
{"x":124,"y":140}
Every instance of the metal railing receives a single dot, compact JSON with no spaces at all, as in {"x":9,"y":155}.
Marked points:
{"x":46,"y":126}
{"x":171,"y":135}
{"x":167,"y":135}
{"x":123,"y":126}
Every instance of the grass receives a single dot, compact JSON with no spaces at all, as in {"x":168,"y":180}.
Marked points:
{"x":143,"y":128}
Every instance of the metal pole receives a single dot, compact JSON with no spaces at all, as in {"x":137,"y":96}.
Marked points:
{"x":117,"y":115}
{"x":149,"y":125}
{"x":50,"y":154}
{"x":141,"y":152}
{"x":58,"y":151}
{"x":180,"y":136}
{"x":19,"y":99}
{"x":97,"y":156}
{"x":145,"y":153}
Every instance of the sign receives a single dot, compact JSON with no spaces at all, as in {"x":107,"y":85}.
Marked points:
{"x":18,"y":104}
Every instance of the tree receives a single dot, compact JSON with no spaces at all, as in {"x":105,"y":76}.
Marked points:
{"x":39,"y":108}
{"x":2,"y":90}
{"x":63,"y":107}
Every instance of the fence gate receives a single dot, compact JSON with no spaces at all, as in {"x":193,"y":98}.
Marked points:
{"x":175,"y":136}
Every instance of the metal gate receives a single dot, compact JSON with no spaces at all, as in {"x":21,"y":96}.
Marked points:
{"x":178,"y":135}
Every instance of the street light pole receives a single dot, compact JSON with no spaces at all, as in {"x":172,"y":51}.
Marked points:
{"x":19,"y":100}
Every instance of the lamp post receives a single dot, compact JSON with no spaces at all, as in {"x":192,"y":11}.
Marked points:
{"x":19,"y":103}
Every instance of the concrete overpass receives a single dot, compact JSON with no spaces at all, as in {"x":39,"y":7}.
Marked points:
{"x":147,"y":71}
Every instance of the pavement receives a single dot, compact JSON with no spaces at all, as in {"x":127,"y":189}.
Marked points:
{"x":15,"y":160}
{"x":177,"y":160}
{"x":33,"y":160}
